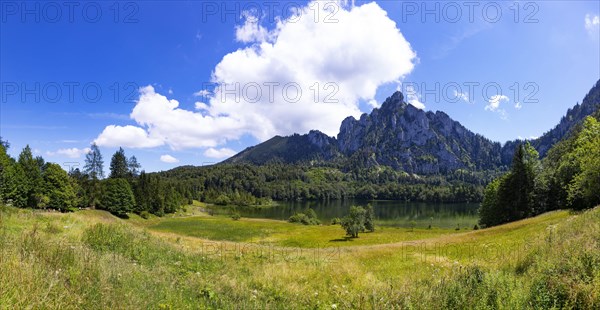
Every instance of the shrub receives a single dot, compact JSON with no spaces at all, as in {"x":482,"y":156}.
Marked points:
{"x":307,"y":218}
{"x":145,"y":215}
{"x":222,"y":200}
{"x":236,"y":216}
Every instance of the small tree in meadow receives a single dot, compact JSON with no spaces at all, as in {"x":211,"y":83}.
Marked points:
{"x":354,"y":222}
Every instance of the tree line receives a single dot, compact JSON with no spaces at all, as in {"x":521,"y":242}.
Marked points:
{"x":567,"y":178}
{"x":31,"y":182}
{"x":247,"y":184}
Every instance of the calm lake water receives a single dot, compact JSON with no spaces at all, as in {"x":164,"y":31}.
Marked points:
{"x":392,"y":213}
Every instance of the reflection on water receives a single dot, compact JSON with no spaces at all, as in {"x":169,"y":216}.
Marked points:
{"x":393,"y":213}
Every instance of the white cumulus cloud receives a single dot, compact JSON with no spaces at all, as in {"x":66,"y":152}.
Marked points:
{"x":301,"y":75}
{"x":219,"y":153}
{"x":128,"y":136}
{"x":251,"y":30}
{"x":168,"y":159}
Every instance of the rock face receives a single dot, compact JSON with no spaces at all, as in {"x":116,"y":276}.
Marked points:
{"x":403,"y":137}
{"x":406,"y":138}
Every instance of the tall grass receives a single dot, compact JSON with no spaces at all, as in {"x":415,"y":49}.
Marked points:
{"x":93,"y":261}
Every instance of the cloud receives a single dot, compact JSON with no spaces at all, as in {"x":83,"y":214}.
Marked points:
{"x":463,"y":96}
{"x":494,"y":105}
{"x":251,"y":31}
{"x":495,"y":101}
{"x":70,"y":153}
{"x":127,"y":136}
{"x":202,"y":93}
{"x":168,"y":159}
{"x":373,"y":103}
{"x":592,"y":23}
{"x":306,"y":79}
{"x":219,"y":153}
{"x":518,"y":105}
{"x":413,"y":97}
{"x":161,"y":122}
{"x":294,"y":79}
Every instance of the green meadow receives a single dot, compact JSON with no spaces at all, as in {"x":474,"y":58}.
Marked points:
{"x":91,"y":259}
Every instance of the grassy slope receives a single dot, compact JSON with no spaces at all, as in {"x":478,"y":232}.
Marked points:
{"x":92,"y":260}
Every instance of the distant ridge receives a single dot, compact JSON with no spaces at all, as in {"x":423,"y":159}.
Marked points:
{"x":405,"y":138}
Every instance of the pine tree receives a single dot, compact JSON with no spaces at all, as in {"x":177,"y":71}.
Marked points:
{"x":118,"y":165}
{"x":117,"y":197}
{"x":94,"y":165}
{"x":32,"y":184}
{"x":133,"y":166}
{"x":5,"y":162}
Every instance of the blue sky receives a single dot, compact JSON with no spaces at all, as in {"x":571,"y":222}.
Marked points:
{"x":111,"y":72}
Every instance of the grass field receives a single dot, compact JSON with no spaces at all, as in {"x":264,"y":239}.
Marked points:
{"x":91,"y":260}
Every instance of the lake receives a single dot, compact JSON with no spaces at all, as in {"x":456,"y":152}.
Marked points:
{"x":388,"y":213}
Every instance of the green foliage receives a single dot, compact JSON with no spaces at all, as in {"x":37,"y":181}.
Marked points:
{"x":568,"y":177}
{"x":336,"y":221}
{"x":247,"y":185}
{"x":32,"y":182}
{"x":59,"y":188}
{"x":222,"y":200}
{"x":145,"y":215}
{"x":354,"y":222}
{"x":236,"y":216}
{"x":16,"y":187}
{"x":117,"y":197}
{"x":134,"y":167}
{"x":118,"y":165}
{"x":309,"y":217}
{"x":369,"y":218}
{"x":584,"y":189}
{"x":509,"y":198}
{"x":94,"y":165}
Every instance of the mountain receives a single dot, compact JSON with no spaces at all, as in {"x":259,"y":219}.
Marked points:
{"x":405,"y":138}
{"x":292,"y":149}
{"x":590,"y":104}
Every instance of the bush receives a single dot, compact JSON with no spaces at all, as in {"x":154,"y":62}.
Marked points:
{"x":307,"y":218}
{"x":336,"y":221}
{"x":236,"y":216}
{"x":222,"y":200}
{"x":145,"y":215}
